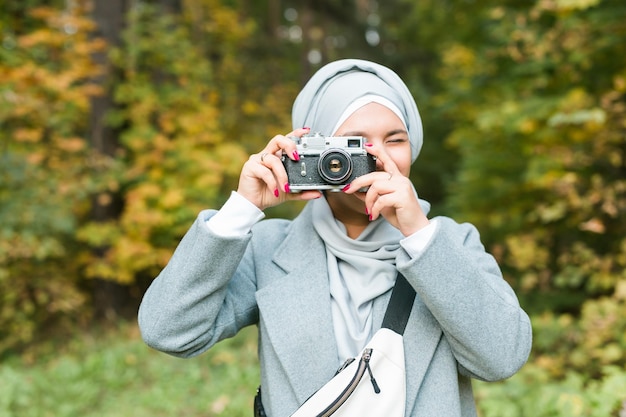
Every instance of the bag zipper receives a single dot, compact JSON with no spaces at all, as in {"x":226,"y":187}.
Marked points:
{"x":369,"y":370}
{"x":364,"y":364}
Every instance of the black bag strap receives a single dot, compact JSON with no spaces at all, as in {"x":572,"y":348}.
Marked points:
{"x":400,"y":305}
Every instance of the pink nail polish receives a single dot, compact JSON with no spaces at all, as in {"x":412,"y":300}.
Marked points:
{"x":370,"y":217}
{"x":369,"y":145}
{"x":346,"y":188}
{"x":276,"y":192}
{"x":307,"y":128}
{"x":287,"y":189}
{"x":367,"y":211}
{"x":296,"y":156}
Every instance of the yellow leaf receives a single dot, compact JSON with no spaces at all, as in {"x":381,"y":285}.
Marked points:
{"x":593,"y":225}
{"x":620,"y":290}
{"x":575,"y":4}
{"x":74,"y":144}
{"x":172,"y":198}
{"x":28,"y":135}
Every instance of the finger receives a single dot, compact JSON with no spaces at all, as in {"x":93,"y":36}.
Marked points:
{"x":275,"y":165}
{"x":379,"y":189}
{"x":396,"y":189}
{"x":380,"y":203}
{"x":383,"y":160}
{"x":257,"y":169}
{"x":367,"y":180}
{"x":280,"y":144}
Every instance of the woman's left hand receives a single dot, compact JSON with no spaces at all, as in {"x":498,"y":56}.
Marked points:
{"x":390,"y":194}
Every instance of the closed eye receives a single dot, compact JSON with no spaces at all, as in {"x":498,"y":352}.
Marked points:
{"x":396,"y":140}
{"x":396,"y":136}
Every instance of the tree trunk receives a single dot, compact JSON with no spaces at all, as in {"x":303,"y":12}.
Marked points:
{"x":108,"y":296}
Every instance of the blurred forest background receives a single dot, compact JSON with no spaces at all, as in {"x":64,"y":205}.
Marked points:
{"x":121,"y":119}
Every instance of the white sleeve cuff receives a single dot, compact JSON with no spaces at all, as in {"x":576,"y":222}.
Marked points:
{"x":415,"y":244}
{"x":235,"y":218}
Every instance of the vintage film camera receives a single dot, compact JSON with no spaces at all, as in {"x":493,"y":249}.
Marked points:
{"x":327,"y":162}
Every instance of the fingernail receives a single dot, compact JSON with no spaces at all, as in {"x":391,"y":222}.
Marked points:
{"x":370,"y":217}
{"x":367,"y":211}
{"x":306,"y":128}
{"x":369,"y":145}
{"x":276,"y":192}
{"x":346,"y":188}
{"x":296,"y":156}
{"x":287,"y":189}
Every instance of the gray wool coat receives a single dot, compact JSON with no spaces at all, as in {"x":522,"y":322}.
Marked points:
{"x":466,"y":321}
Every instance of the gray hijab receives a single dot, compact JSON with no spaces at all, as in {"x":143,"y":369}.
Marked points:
{"x":336,"y":85}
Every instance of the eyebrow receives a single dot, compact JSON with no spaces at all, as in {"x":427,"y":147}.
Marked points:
{"x":390,"y":133}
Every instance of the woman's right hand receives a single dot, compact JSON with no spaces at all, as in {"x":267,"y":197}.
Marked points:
{"x":263,"y":179}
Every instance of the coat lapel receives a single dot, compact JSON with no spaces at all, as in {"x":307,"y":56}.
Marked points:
{"x":295,"y":311}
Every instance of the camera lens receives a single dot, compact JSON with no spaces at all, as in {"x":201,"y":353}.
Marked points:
{"x":335,"y":166}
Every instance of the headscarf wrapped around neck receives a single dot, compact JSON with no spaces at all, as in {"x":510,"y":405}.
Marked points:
{"x":338,"y":84}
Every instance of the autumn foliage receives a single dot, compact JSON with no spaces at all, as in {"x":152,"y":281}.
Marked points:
{"x":45,"y":179}
{"x":524,"y":107}
{"x":173,"y":155}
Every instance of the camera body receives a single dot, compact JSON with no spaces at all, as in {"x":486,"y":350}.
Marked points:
{"x":327,"y":162}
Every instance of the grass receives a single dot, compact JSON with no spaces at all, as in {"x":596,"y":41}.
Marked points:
{"x":112,"y":373}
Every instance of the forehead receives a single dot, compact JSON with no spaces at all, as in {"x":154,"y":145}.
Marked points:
{"x":372,"y":115}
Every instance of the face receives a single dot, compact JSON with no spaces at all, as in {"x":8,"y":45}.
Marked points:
{"x":382,"y":128}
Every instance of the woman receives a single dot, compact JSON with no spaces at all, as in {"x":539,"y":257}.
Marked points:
{"x":317,"y":287}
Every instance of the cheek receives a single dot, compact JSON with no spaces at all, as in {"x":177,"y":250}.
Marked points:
{"x":402,"y":159}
